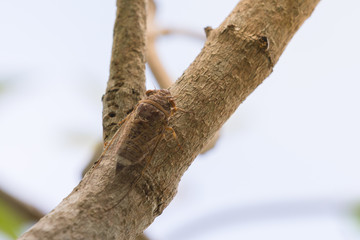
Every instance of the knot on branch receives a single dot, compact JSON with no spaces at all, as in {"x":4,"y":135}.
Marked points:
{"x":264,"y":43}
{"x":264,"y":46}
{"x":208,"y":31}
{"x":260,"y":42}
{"x":231,"y":28}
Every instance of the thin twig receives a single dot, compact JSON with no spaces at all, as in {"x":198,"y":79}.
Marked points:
{"x":26,"y":210}
{"x":157,"y":68}
{"x":181,"y":31}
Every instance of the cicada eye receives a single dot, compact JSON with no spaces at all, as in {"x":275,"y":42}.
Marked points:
{"x":149,"y":92}
{"x":172,"y":103}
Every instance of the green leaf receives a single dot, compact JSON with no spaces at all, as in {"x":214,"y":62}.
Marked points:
{"x":356,"y":214}
{"x":11,"y":222}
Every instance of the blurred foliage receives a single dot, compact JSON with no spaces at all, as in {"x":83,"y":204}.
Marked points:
{"x":11,"y":223}
{"x":2,"y":87}
{"x":7,"y":82}
{"x":357,"y":213}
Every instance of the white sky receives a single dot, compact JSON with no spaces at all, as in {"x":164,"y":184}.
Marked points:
{"x":294,"y":142}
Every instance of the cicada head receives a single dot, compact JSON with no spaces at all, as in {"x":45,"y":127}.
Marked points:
{"x":163,"y":100}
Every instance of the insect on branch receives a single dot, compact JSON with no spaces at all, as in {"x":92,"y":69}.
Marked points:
{"x":143,"y":130}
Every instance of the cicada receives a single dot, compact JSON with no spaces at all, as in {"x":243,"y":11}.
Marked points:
{"x":143,"y":129}
{"x":137,"y":138}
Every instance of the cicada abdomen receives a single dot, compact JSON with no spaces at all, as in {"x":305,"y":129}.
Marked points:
{"x":144,"y":128}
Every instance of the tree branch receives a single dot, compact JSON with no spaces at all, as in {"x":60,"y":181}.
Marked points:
{"x":126,"y":85}
{"x":236,"y":58}
{"x":29,"y":212}
{"x":153,"y":60}
{"x":183,"y":32}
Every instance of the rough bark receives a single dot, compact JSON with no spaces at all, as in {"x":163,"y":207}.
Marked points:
{"x":236,"y":58}
{"x":126,"y":85}
{"x":154,"y":62}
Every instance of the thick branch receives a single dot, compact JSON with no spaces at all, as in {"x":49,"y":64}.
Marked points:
{"x":236,"y":58}
{"x":126,"y":85}
{"x":154,"y":62}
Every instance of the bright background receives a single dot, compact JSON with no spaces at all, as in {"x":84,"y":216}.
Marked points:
{"x":287,"y":164}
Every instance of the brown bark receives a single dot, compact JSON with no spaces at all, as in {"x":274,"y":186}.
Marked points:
{"x":236,"y":58}
{"x":126,"y":85}
{"x":153,"y":60}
